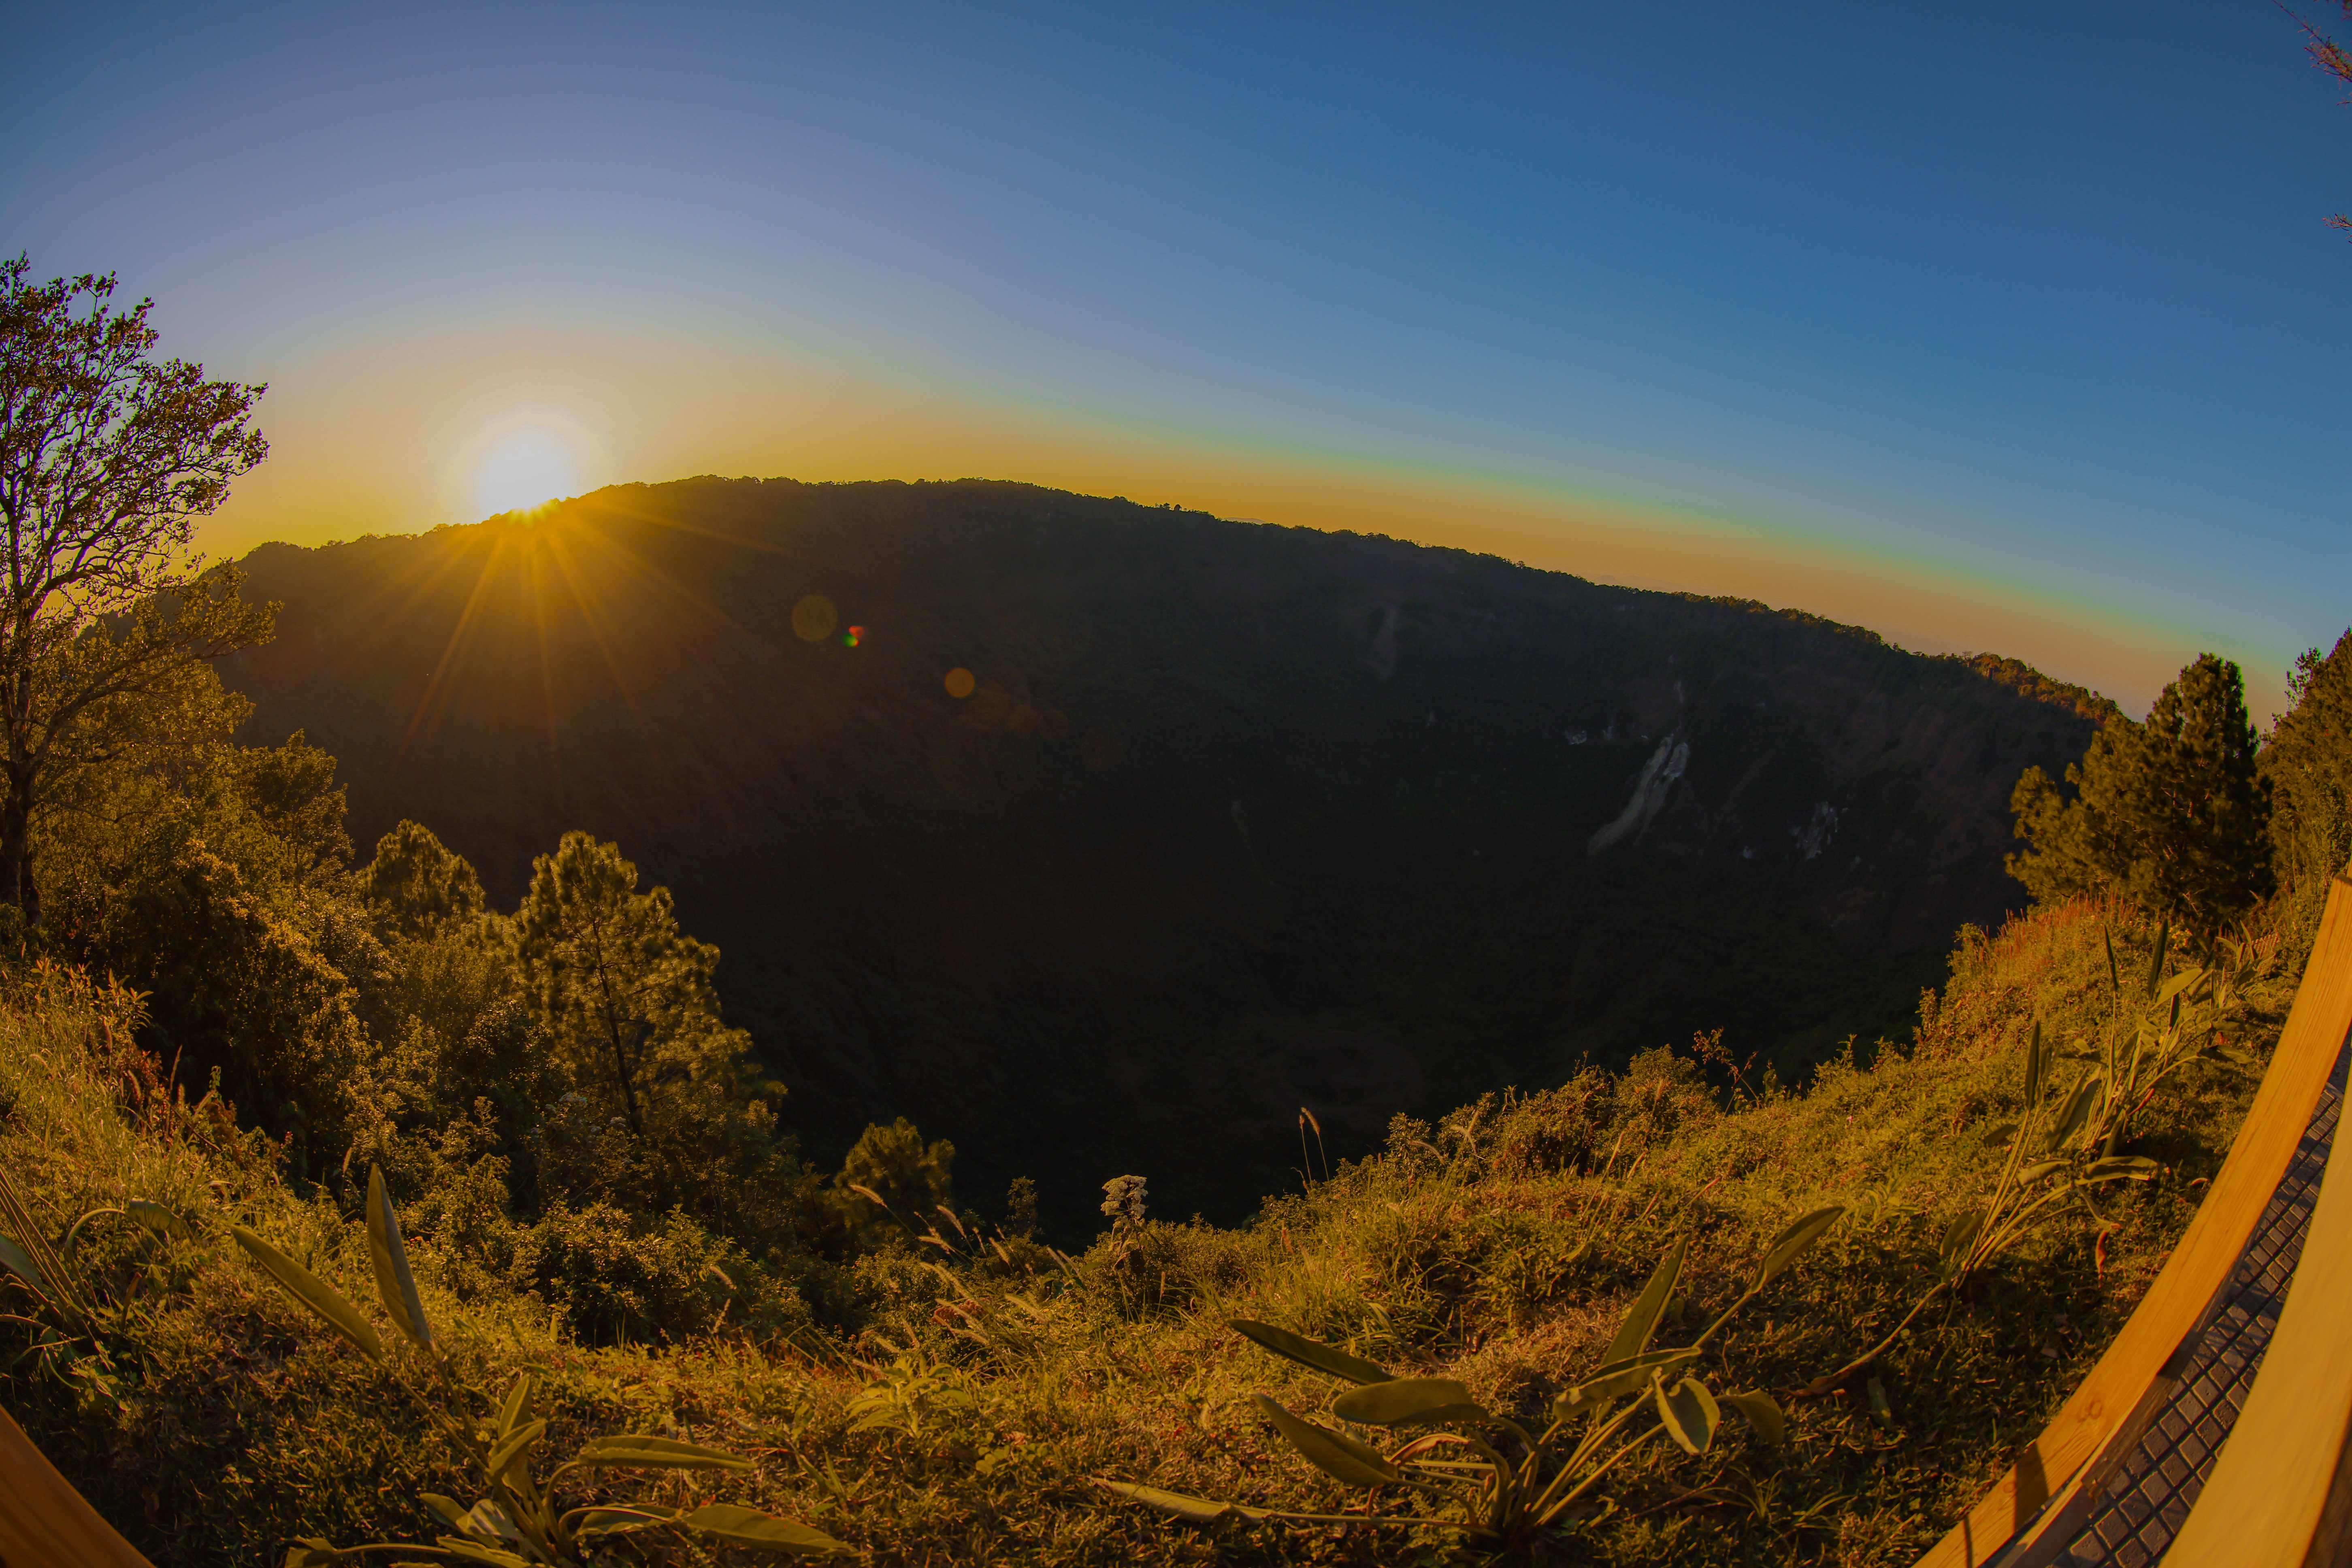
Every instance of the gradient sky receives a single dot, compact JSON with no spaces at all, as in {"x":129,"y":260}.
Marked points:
{"x":2008,"y":326}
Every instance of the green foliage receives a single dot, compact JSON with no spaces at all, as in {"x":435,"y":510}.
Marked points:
{"x":2308,"y":760}
{"x":416,"y":885}
{"x":518,"y":1520}
{"x":2170,"y":814}
{"x":891,"y":1189}
{"x":1634,"y":1395}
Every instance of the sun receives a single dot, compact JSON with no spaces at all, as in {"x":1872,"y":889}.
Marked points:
{"x":523,"y":469}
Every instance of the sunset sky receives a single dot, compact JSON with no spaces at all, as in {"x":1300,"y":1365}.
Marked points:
{"x":2013,"y":326}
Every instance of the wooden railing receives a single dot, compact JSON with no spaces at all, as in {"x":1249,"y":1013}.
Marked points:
{"x":44,"y":1523}
{"x":2304,"y":1396}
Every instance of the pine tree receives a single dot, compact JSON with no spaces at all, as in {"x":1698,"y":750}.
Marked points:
{"x":2172,"y":814}
{"x":2309,"y":761}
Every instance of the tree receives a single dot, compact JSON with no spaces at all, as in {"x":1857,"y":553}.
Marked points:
{"x":619,"y":987}
{"x":2169,"y":813}
{"x":2309,"y":761}
{"x":106,"y":460}
{"x":2337,"y":61}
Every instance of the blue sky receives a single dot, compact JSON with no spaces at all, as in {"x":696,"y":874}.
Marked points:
{"x":2039,"y":292}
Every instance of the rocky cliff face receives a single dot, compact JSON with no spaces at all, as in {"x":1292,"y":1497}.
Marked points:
{"x":1230,"y":820}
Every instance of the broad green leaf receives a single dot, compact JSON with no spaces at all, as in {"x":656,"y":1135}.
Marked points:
{"x":1959,"y":1236}
{"x":1192,"y":1509}
{"x":2179,"y":983}
{"x":1689,"y":1414}
{"x":485,"y":1521}
{"x":1763,"y":1413}
{"x":2039,"y":1169}
{"x":1403,"y":1400}
{"x":1641,"y":1318}
{"x":1627,"y":1377}
{"x":2075,"y":1110}
{"x":763,"y":1531}
{"x":511,"y":1410}
{"x":649,"y":1453}
{"x":1335,"y":1454}
{"x":1309,"y":1352}
{"x":584,"y":1522}
{"x":443,"y":1508}
{"x":2037,"y":1062}
{"x":332,"y":1305}
{"x":310,"y":1551}
{"x":1791,"y":1243}
{"x":156,"y":1217}
{"x":13,"y":1257}
{"x":467,"y":1551}
{"x":511,"y":1447}
{"x":2121,"y":1167}
{"x":394,"y":1282}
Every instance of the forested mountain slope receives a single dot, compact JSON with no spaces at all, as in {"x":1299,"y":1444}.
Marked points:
{"x":1236,"y":819}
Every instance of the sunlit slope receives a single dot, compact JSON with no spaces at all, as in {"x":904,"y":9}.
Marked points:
{"x":1236,"y":819}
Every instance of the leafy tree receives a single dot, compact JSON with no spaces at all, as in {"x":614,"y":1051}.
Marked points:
{"x":891,"y":1182}
{"x":2337,"y":61}
{"x":2309,"y":761}
{"x":417,"y":885}
{"x":2170,"y":813}
{"x":107,"y":459}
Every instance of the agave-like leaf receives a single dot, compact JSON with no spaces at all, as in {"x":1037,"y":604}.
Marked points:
{"x":1335,"y":1454}
{"x":511,"y":1447}
{"x":511,"y":1409}
{"x":1403,"y":1400}
{"x":1763,"y":1413}
{"x":1958,"y":1237}
{"x":585,"y":1522}
{"x":1309,"y":1353}
{"x":334,"y":1308}
{"x":762,"y":1532}
{"x":394,"y":1282}
{"x":1626,"y":1377}
{"x":1689,"y":1414}
{"x":1791,"y":1243}
{"x":13,"y":1257}
{"x":155,"y":1216}
{"x":642,"y":1451}
{"x":2076,"y":1109}
{"x":1192,"y":1509}
{"x":1641,"y":1318}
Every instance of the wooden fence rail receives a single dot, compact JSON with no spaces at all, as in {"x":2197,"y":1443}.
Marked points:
{"x":2026,"y":1518}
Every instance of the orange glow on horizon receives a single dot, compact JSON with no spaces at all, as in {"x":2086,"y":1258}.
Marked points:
{"x":387,"y":438}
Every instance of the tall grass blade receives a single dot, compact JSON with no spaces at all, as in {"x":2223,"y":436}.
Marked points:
{"x":1309,"y":1353}
{"x":334,"y":1308}
{"x":1335,"y":1454}
{"x":1407,"y":1399}
{"x":641,"y":1451}
{"x":762,"y":1532}
{"x":1641,"y":1318}
{"x":394,"y":1282}
{"x":1791,"y":1243}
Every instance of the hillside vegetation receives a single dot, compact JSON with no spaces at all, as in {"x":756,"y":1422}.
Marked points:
{"x":967,"y":1383}
{"x":1232,"y":818}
